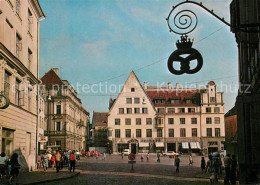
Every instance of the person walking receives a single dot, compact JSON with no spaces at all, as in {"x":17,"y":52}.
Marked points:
{"x":142,"y":157}
{"x":233,"y":170}
{"x":190,"y":160}
{"x":45,"y":161}
{"x":3,"y":161}
{"x":15,"y":166}
{"x":72,"y":161}
{"x":158,"y":157}
{"x":147,"y":157}
{"x":177,"y":163}
{"x":104,"y":156}
{"x":227,"y":163}
{"x":58,"y":161}
{"x":210,"y":167}
{"x":122,"y":155}
{"x":216,"y":166}
{"x":202,"y":164}
{"x":53,"y":161}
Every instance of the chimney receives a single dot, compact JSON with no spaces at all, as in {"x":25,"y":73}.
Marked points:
{"x":177,"y":85}
{"x":169,"y":85}
{"x":145,"y":85}
{"x":56,"y":70}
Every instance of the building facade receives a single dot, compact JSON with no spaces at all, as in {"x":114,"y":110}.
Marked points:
{"x":66,"y":117}
{"x":150,"y":118}
{"x":19,"y":73}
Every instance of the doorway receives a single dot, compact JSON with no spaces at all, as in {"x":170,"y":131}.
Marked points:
{"x":133,"y":148}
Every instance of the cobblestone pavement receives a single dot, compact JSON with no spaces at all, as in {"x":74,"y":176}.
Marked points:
{"x":115,"y":170}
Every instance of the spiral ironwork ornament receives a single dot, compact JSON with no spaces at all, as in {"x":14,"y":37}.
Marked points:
{"x":183,"y":22}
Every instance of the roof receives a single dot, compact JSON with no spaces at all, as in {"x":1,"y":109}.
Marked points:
{"x":100,"y":118}
{"x":51,"y":78}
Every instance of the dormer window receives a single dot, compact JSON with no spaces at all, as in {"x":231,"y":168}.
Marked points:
{"x":132,"y":89}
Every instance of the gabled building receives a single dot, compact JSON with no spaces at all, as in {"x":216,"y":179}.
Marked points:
{"x":150,"y":118}
{"x":66,"y":117}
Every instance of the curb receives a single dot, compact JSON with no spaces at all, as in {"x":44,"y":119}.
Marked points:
{"x":52,"y":180}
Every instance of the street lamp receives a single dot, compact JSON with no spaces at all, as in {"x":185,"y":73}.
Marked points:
{"x":48,"y":124}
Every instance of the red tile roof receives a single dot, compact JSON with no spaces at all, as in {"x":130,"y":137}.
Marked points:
{"x":100,"y":118}
{"x":51,"y":78}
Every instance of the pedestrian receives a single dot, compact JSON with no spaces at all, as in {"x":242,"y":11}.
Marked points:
{"x":158,"y":157}
{"x":39,"y":161}
{"x":202,"y":164}
{"x":147,"y":157}
{"x":72,"y":161}
{"x":104,"y":156}
{"x":58,"y":161}
{"x":3,"y":161}
{"x":216,"y":166}
{"x":190,"y":160}
{"x":177,"y":163}
{"x":211,"y":169}
{"x":142,"y":157}
{"x":227,"y":163}
{"x":233,"y":170}
{"x":15,"y":166}
{"x":122,"y":155}
{"x":62,"y":160}
{"x":9,"y":167}
{"x":44,"y":160}
{"x":53,"y":161}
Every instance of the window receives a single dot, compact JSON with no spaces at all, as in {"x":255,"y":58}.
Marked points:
{"x":170,"y":121}
{"x":171,"y":110}
{"x":138,"y":121}
{"x":128,"y":121}
{"x":208,"y":109}
{"x":58,"y":109}
{"x":194,"y":132}
{"x":121,"y":110}
{"x":127,"y":133}
{"x":7,"y":83}
{"x":208,"y":121}
{"x":182,"y":132}
{"x":58,"y":143}
{"x":136,"y":100}
{"x":7,"y":141}
{"x":132,"y":89}
{"x":216,"y":109}
{"x":217,"y":132}
{"x":117,"y":121}
{"x":137,"y":110}
{"x":191,"y":109}
{"x":159,"y":101}
{"x":209,"y":132}
{"x":144,"y":110}
{"x":18,"y":45}
{"x":138,"y":133}
{"x":159,"y":132}
{"x":217,"y":120}
{"x":17,"y":92}
{"x":160,"y":110}
{"x":173,"y":101}
{"x":171,"y":132}
{"x":117,"y":133}
{"x":29,"y":98}
{"x":148,"y":121}
{"x":129,"y":100}
{"x":148,"y":132}
{"x":30,"y":20}
{"x":159,"y":121}
{"x":181,"y":110}
{"x":58,"y":128}
{"x":188,"y":101}
{"x":18,"y":7}
{"x":182,"y":120}
{"x":212,"y":99}
{"x":193,"y":120}
{"x":29,"y":58}
{"x":129,"y":110}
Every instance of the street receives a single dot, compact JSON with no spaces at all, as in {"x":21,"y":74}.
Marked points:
{"x":115,"y":170}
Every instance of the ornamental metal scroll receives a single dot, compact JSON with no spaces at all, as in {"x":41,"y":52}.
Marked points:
{"x":183,"y":23}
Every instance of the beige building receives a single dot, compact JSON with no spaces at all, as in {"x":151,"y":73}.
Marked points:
{"x":66,"y":117}
{"x":19,"y":72}
{"x":150,"y":118}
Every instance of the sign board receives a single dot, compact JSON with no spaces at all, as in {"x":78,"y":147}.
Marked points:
{"x":131,"y":157}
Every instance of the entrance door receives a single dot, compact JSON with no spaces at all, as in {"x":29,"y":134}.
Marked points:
{"x":171,"y":147}
{"x":133,"y":148}
{"x":212,"y":149}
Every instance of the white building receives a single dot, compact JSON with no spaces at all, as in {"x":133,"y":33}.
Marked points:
{"x":148,"y":118}
{"x":19,"y":77}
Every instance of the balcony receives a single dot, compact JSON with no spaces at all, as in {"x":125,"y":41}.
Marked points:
{"x":159,"y":125}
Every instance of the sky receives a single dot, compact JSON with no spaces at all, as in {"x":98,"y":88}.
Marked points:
{"x":97,"y":43}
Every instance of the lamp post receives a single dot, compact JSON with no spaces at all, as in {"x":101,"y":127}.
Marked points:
{"x":49,"y":117}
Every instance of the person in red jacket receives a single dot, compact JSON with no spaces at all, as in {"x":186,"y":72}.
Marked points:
{"x":72,"y":161}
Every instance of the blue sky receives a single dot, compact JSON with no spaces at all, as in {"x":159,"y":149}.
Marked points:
{"x":103,"y":40}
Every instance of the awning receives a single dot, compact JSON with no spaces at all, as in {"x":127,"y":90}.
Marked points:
{"x":142,"y":144}
{"x":194,"y":145}
{"x":159,"y":144}
{"x":185,"y":145}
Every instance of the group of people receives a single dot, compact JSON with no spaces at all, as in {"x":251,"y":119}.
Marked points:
{"x":57,"y":159}
{"x":9,"y":167}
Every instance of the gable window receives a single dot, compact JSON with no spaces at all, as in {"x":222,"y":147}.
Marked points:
{"x":137,"y":110}
{"x":129,"y":100}
{"x":132,"y":89}
{"x":138,"y":121}
{"x":121,"y":110}
{"x":136,"y":100}
{"x":144,"y":110}
{"x":129,"y":110}
{"x":117,"y":121}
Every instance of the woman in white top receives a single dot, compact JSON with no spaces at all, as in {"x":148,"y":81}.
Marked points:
{"x":2,"y":163}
